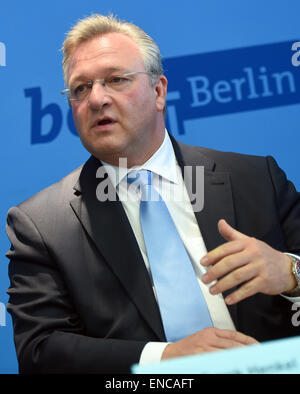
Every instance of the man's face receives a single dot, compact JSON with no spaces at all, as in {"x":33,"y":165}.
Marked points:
{"x":125,"y":123}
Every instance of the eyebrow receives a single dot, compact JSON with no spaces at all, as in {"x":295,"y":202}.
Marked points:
{"x":82,"y":77}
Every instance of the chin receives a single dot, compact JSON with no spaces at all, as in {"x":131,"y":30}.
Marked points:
{"x":107,"y":152}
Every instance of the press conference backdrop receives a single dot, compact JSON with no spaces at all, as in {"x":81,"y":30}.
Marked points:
{"x":234,"y":85}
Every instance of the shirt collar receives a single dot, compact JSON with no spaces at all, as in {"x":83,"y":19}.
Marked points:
{"x":162,"y":162}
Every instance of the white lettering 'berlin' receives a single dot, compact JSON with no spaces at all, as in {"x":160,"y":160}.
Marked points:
{"x":250,"y":86}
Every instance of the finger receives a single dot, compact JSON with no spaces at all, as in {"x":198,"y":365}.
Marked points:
{"x":207,"y":349}
{"x":227,"y":344}
{"x":217,"y":254}
{"x":225,"y":266}
{"x":235,"y":278}
{"x":228,"y":232}
{"x":247,"y":290}
{"x":235,"y":336}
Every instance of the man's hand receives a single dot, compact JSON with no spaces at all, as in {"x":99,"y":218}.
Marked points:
{"x":207,"y":340}
{"x":247,"y":261}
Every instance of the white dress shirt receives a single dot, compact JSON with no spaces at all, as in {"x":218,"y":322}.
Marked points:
{"x":167,"y":179}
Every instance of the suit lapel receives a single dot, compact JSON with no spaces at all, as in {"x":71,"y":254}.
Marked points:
{"x":218,"y":203}
{"x":107,"y":224}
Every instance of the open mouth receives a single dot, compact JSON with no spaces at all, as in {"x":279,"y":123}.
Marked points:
{"x":104,"y":122}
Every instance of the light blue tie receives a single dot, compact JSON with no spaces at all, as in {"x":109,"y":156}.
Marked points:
{"x":182,"y":305}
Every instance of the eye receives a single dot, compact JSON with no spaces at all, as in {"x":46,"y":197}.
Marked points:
{"x":79,"y":92}
{"x":116,"y":80}
{"x":80,"y":89}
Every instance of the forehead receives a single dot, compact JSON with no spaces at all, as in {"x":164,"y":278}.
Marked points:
{"x":110,"y":51}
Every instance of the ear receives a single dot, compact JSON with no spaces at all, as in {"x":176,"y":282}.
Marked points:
{"x":161,"y":92}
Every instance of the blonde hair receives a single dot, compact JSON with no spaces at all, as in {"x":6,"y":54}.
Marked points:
{"x":96,"y":25}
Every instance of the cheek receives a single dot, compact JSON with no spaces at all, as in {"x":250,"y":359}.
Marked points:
{"x":141,"y":95}
{"x":79,"y":119}
{"x":131,"y":100}
{"x":139,"y":103}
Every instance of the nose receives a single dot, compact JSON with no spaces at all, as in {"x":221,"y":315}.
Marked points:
{"x":98,"y":96}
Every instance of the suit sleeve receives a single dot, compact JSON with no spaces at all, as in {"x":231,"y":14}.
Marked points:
{"x":49,"y":336}
{"x":288,"y":206}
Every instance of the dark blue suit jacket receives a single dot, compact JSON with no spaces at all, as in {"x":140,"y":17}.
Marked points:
{"x":80,"y":295}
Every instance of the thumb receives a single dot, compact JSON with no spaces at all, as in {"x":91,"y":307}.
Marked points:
{"x":228,"y":232}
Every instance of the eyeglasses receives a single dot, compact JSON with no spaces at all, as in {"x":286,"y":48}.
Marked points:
{"x":112,"y":84}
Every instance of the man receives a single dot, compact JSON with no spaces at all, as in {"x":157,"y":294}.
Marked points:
{"x":84,"y":295}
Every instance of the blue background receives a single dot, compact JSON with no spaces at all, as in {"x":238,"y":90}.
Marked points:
{"x":33,"y":32}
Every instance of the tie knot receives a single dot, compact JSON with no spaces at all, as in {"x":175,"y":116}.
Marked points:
{"x":140,"y":178}
{"x":141,"y":183}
